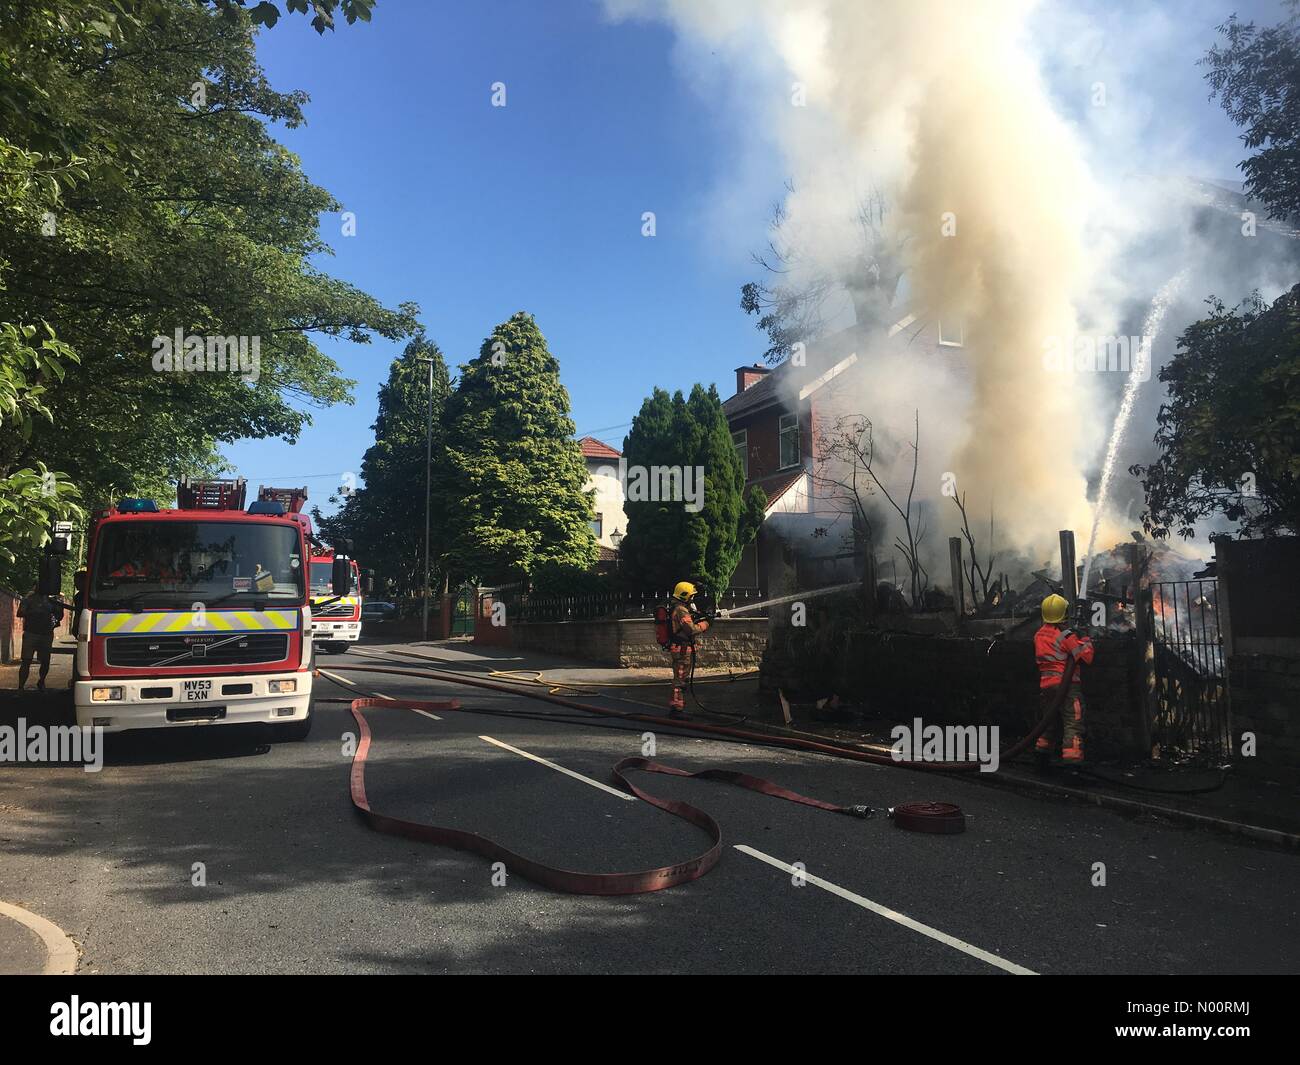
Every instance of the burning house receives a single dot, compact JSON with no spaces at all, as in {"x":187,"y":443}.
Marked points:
{"x":785,"y":422}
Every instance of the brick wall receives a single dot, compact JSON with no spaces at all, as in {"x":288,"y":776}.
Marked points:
{"x":961,"y":680}
{"x":734,"y":642}
{"x":586,"y":641}
{"x":485,"y":633}
{"x":1266,"y":701}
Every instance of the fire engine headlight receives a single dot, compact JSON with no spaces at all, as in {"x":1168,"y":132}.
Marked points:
{"x":281,"y":687}
{"x":105,"y":695}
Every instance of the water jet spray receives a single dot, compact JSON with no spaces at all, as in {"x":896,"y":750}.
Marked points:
{"x":813,"y":593}
{"x":1150,"y":328}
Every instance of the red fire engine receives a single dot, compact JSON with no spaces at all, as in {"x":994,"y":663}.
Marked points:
{"x":198,"y":614}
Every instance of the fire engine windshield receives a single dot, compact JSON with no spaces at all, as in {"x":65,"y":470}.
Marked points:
{"x":186,"y":562}
{"x":322,"y":574}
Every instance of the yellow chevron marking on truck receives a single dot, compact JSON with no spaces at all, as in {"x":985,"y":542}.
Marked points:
{"x":187,"y":621}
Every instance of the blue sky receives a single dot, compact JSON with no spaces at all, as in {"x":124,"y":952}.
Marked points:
{"x":476,"y":212}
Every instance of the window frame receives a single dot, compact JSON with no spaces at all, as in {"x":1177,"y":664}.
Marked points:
{"x":782,"y":431}
{"x":740,"y":441}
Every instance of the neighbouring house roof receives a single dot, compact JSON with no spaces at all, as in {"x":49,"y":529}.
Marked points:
{"x":777,"y":484}
{"x":606,"y":554}
{"x":597,"y":449}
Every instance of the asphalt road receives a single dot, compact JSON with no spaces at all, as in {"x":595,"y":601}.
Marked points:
{"x":294,"y":882}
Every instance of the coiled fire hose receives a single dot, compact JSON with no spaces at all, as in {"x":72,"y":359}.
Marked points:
{"x":931,"y":817}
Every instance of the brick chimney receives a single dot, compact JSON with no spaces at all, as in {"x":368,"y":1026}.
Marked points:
{"x":750,"y":375}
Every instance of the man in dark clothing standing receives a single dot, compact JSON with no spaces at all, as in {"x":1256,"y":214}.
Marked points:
{"x":41,"y":615}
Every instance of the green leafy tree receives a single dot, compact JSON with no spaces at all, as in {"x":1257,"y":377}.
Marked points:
{"x":147,"y":196}
{"x":32,"y":360}
{"x":1255,"y":74}
{"x":521,"y":511}
{"x":385,"y":517}
{"x":1229,"y":432}
{"x":666,"y":542}
{"x":265,"y":13}
{"x":31,"y":497}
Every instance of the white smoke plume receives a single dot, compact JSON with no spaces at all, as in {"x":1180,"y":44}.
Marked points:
{"x":939,"y":106}
{"x":1028,"y":218}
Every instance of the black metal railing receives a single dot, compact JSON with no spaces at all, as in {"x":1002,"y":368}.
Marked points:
{"x":1192,"y":711}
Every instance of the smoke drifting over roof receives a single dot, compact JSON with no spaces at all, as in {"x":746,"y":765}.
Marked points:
{"x":1019,"y":216}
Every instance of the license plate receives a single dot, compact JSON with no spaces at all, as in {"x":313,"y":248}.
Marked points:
{"x":196,"y":691}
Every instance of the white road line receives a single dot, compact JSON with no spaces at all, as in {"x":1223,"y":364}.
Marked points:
{"x":425,"y":713}
{"x":371,"y":655}
{"x":893,"y":915}
{"x":379,"y":695}
{"x":60,"y":951}
{"x":560,"y":769}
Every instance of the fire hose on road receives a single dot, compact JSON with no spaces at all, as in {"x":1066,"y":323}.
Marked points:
{"x":926,"y":817}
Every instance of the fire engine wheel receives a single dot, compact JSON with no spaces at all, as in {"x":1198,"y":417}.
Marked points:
{"x":293,"y":731}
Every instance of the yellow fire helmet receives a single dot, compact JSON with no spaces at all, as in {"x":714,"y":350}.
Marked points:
{"x":685,"y":591}
{"x":1054,"y":609}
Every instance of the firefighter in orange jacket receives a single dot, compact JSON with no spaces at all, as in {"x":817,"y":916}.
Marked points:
{"x":1054,"y":646}
{"x":683,"y":626}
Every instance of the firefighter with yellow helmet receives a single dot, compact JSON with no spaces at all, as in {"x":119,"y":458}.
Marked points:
{"x":684,"y":625}
{"x":1055,"y":644}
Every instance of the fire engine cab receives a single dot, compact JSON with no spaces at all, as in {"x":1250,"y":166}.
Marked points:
{"x":336,"y":619}
{"x":197,"y":615}
{"x":336,"y":614}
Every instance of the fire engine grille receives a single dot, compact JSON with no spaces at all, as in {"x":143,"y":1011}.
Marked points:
{"x":334,"y":610}
{"x":222,"y":650}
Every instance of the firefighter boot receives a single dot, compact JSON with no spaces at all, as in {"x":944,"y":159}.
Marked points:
{"x":676,"y":704}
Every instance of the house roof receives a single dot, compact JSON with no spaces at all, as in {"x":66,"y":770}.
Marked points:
{"x":824,"y":356}
{"x":597,"y":449}
{"x":787,"y":379}
{"x":775,"y":486}
{"x":759,"y":394}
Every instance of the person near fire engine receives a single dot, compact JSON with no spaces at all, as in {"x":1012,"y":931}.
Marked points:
{"x":684,"y":625}
{"x":1055,"y":644}
{"x":41,"y":615}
